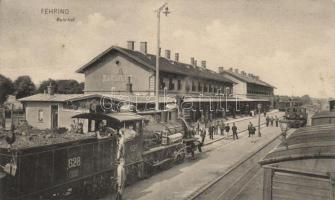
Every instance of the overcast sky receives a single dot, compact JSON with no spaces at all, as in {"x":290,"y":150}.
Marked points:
{"x":288,"y":43}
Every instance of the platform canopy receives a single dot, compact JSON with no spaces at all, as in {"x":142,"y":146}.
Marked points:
{"x":324,"y":114}
{"x":315,"y":142}
{"x":120,"y":117}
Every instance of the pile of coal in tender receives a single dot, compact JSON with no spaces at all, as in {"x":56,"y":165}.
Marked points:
{"x":42,"y":138}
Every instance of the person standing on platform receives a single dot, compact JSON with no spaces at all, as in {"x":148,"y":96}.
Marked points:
{"x":277,"y":120}
{"x":249,"y":128}
{"x":210,"y":130}
{"x":222,"y":125}
{"x":271,"y":120}
{"x":267,"y":121}
{"x":203,"y":136}
{"x":253,"y":132}
{"x":234,"y":129}
{"x":198,"y":127}
{"x":215,"y":128}
{"x":227,"y":128}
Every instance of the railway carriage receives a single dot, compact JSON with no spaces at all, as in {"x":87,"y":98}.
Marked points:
{"x":303,"y":167}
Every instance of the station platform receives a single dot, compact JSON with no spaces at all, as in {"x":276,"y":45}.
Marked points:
{"x":241,"y":123}
{"x":181,"y":181}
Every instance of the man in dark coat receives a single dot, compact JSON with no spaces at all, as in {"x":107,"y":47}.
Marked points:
{"x":210,"y":130}
{"x":267,"y":121}
{"x":222,"y":126}
{"x":203,"y":136}
{"x":234,"y":129}
{"x":277,"y":120}
{"x":250,"y":129}
{"x":227,"y":128}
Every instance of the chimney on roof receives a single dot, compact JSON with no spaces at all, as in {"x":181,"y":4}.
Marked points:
{"x":231,"y":69}
{"x":168,"y":54}
{"x":243,"y":73}
{"x":129,"y":85}
{"x":192,"y":61}
{"x":257,"y":77}
{"x":176,"y":57}
{"x":195,"y":63}
{"x":203,"y":63}
{"x":236,"y":71}
{"x":221,"y":69}
{"x":159,"y":51}
{"x":131,"y":45}
{"x":144,"y":47}
{"x":250,"y":75}
{"x":51,"y":90}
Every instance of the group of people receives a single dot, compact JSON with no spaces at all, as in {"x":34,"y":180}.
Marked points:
{"x":270,"y":120}
{"x":216,"y":128}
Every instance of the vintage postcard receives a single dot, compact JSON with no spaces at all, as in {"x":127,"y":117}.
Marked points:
{"x":167,"y":100}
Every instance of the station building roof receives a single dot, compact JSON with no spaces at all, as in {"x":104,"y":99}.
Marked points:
{"x":248,"y":79}
{"x":315,"y":142}
{"x":165,"y":65}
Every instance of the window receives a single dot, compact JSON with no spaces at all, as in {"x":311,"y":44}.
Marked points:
{"x":161,"y":83}
{"x":199,"y":87}
{"x":193,"y":86}
{"x":205,"y":88}
{"x":40,"y":115}
{"x":171,"y":84}
{"x":179,"y":85}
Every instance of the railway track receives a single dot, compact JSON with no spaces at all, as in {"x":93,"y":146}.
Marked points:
{"x":228,"y":185}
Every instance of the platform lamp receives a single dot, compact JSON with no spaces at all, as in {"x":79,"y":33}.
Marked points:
{"x":284,"y":126}
{"x":259,"y":106}
{"x":227,"y":91}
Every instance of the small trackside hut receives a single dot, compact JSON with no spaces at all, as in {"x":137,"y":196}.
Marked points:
{"x":325,"y":117}
{"x":303,"y":168}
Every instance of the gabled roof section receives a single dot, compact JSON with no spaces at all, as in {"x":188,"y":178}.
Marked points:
{"x":248,"y":79}
{"x":165,"y":65}
{"x":49,"y":98}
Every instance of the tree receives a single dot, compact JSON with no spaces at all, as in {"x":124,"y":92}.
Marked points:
{"x":24,"y":87}
{"x":306,"y":99}
{"x":82,"y":86}
{"x":44,"y":85}
{"x":6,"y":88}
{"x":62,"y":86}
{"x":68,"y":87}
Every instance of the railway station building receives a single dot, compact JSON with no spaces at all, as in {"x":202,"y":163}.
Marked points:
{"x":249,"y":85}
{"x":126,"y":75}
{"x":205,"y":93}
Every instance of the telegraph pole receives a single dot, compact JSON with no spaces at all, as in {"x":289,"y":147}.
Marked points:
{"x":166,"y":12}
{"x":259,"y":106}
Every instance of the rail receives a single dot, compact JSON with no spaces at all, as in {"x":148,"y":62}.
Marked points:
{"x":206,"y":187}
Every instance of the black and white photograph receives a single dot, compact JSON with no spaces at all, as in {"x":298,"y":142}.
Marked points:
{"x":167,"y":100}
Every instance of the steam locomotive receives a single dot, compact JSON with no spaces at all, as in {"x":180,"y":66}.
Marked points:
{"x":297,"y":116}
{"x":83,"y":166}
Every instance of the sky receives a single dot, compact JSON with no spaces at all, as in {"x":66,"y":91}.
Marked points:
{"x":289,"y":44}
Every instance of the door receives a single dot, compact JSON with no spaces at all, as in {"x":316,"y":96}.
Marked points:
{"x":54,"y":116}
